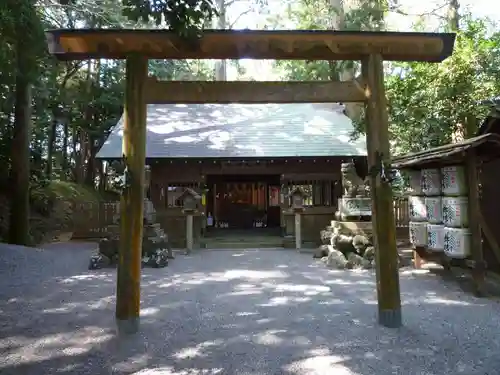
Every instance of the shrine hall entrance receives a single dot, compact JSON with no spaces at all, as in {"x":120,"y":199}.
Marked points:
{"x":242,"y":202}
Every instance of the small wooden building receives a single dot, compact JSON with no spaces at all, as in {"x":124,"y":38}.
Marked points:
{"x":484,"y":201}
{"x":244,"y":159}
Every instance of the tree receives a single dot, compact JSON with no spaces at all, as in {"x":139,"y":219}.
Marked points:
{"x":21,"y":16}
{"x":333,"y":15}
{"x":55,"y":133}
{"x":429,"y":104}
{"x":223,"y":22}
{"x":186,"y":18}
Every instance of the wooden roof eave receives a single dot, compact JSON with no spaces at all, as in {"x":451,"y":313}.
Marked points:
{"x":81,"y":44}
{"x":486,"y":145}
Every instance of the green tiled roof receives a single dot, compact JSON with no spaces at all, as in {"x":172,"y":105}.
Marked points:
{"x":242,"y":131}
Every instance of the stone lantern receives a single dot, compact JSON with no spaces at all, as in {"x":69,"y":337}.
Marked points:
{"x":190,"y":199}
{"x":149,"y":211}
{"x":147,"y":177}
{"x":298,"y":196}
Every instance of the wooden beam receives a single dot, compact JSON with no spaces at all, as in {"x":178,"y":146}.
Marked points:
{"x":377,"y":139}
{"x":82,"y":44}
{"x":165,"y":92}
{"x":490,"y":236}
{"x":132,"y":201}
{"x":479,"y":270}
{"x":325,"y":176}
{"x":474,"y":211}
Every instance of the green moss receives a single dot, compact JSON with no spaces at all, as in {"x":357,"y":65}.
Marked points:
{"x":72,"y":191}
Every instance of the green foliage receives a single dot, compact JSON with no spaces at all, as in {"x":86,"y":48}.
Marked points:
{"x":21,"y":27}
{"x":429,"y":104}
{"x":74,"y":104}
{"x":186,"y":18}
{"x":71,"y":191}
{"x":369,"y":15}
{"x":321,"y":15}
{"x":81,"y":100}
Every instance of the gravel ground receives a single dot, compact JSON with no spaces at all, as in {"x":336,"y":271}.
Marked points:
{"x":247,"y":312}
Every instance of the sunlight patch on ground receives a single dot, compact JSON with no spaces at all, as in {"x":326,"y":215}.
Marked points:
{"x":148,"y":311}
{"x":411,"y":272}
{"x":444,"y":301}
{"x":283,"y":300}
{"x":199,"y":278}
{"x":99,"y":304}
{"x":175,"y":305}
{"x":332,"y":301}
{"x":246,"y":313}
{"x":350,"y":282}
{"x":29,"y":350}
{"x":320,"y":365}
{"x":301,"y":288}
{"x":276,"y":301}
{"x":197,"y":350}
{"x":256,"y":275}
{"x":264,"y":321}
{"x":135,"y":361}
{"x":241,"y":293}
{"x":85,"y":277}
{"x":269,"y":337}
{"x":171,"y":371}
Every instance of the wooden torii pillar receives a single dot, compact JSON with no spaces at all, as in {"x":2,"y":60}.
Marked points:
{"x":384,"y":224}
{"x":128,"y":289}
{"x":137,"y":46}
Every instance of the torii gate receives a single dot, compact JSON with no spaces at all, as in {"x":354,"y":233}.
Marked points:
{"x":137,"y":46}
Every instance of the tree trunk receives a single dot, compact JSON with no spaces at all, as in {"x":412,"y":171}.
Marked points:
{"x":75,"y":155}
{"x":346,"y":70}
{"x":80,"y":164}
{"x":19,"y":230}
{"x":50,"y":146}
{"x":221,"y":65}
{"x":65,"y":163}
{"x":343,"y":70}
{"x":453,"y":16}
{"x":84,"y":136}
{"x":90,"y":163}
{"x":92,"y":139}
{"x":102,"y":176}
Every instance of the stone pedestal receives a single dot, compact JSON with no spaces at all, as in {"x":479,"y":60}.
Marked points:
{"x":362,"y":228}
{"x":355,"y":208}
{"x":189,"y":232}
{"x":156,"y":250}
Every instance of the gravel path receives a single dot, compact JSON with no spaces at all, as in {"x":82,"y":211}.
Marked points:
{"x":248,"y":312}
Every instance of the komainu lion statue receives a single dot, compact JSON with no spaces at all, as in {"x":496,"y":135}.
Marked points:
{"x":353,"y":185}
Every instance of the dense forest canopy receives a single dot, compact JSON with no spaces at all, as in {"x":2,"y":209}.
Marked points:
{"x":54,"y":116}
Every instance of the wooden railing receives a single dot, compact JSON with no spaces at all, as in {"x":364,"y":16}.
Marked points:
{"x":91,"y":220}
{"x":401,"y":212}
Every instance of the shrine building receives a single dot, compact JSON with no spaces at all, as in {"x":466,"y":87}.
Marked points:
{"x":243,"y":160}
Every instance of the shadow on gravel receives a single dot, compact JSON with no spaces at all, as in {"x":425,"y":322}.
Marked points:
{"x":247,"y":312}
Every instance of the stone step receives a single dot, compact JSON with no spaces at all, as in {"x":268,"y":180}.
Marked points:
{"x":307,"y":246}
{"x":243,"y":241}
{"x":266,"y":241}
{"x":241,"y":245}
